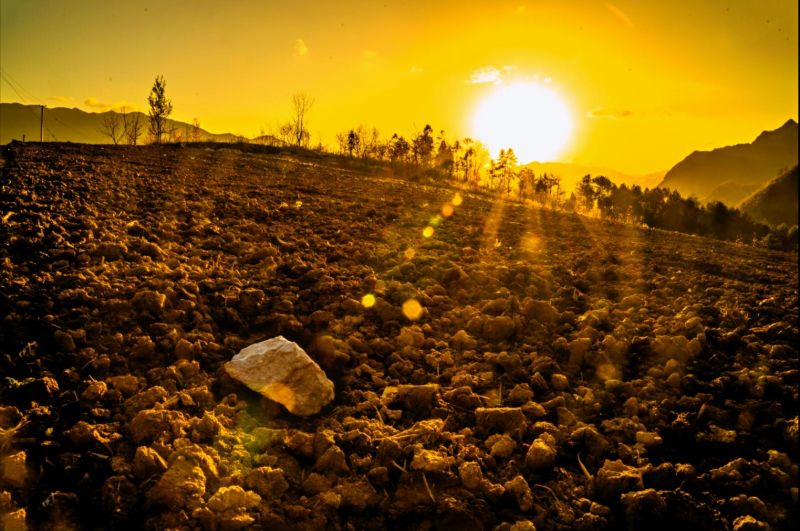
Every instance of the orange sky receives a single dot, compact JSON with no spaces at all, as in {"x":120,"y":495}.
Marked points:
{"x":646,"y":82}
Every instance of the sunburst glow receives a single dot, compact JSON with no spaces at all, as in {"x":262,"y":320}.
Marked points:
{"x":530,"y":118}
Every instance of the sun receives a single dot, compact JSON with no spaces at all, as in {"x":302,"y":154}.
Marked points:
{"x":530,"y":118}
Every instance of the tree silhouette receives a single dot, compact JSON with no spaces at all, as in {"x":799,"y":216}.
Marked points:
{"x":423,"y":146}
{"x":112,"y":127}
{"x":131,"y":126}
{"x":398,"y":148}
{"x":353,"y":142}
{"x":301,"y":105}
{"x":160,"y":109}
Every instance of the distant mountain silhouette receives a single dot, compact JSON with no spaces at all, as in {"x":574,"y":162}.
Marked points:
{"x":775,"y":202}
{"x":75,"y":125}
{"x":571,"y":174}
{"x":731,"y":173}
{"x":731,"y":192}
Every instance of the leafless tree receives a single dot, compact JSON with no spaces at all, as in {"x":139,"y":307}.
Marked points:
{"x":286,"y":133}
{"x":111,"y":126}
{"x":131,"y":126}
{"x":301,"y":105}
{"x":194,"y":132}
{"x":341,"y":141}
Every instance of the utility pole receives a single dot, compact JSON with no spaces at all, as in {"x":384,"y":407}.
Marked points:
{"x":41,"y":125}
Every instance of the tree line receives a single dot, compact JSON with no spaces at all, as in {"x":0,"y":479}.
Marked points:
{"x":126,"y":127}
{"x":667,"y":209}
{"x":468,"y":162}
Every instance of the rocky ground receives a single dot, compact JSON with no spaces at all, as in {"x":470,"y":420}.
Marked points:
{"x":495,"y":366}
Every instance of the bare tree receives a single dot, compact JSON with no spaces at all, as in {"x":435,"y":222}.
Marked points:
{"x":133,"y":127}
{"x":286,"y":133}
{"x":112,"y":127}
{"x":301,"y":105}
{"x":341,"y":140}
{"x":123,"y":114}
{"x":160,"y":109}
{"x":194,"y":132}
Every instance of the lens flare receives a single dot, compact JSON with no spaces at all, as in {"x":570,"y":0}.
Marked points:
{"x":427,"y":232}
{"x":457,"y":199}
{"x":410,"y":253}
{"x":447,"y":210}
{"x":412,"y":309}
{"x":368,"y":300}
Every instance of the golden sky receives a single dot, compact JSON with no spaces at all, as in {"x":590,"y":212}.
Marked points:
{"x":646,"y":82}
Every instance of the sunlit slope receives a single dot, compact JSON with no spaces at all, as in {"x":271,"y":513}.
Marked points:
{"x":776,"y":202}
{"x":740,"y":168}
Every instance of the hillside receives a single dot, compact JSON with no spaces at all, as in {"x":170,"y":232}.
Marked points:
{"x":776,"y":202}
{"x":738,"y":169}
{"x":493,"y":363}
{"x":75,"y":125}
{"x":730,"y":192}
{"x":571,"y":174}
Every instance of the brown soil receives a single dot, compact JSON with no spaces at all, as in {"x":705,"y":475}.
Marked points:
{"x":565,"y":373}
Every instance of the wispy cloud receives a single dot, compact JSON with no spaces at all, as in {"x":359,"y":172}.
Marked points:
{"x":620,"y":14}
{"x":93,"y":102}
{"x":603,"y":113}
{"x":300,"y":49}
{"x":61,"y":99}
{"x":489,"y":74}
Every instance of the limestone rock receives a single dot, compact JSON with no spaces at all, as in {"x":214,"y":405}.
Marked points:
{"x":281,"y":371}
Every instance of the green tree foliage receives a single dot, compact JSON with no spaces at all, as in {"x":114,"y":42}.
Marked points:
{"x":160,"y":109}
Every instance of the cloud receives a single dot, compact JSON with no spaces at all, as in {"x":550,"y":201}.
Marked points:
{"x":61,"y":99}
{"x":603,"y":113}
{"x":416,"y":70}
{"x":92,"y":102}
{"x":489,"y":74}
{"x":369,"y":54}
{"x":300,"y":49}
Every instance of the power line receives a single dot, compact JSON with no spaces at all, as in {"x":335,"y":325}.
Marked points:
{"x":27,"y":106}
{"x":11,"y":81}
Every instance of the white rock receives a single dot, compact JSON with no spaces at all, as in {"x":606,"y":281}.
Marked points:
{"x":281,"y":371}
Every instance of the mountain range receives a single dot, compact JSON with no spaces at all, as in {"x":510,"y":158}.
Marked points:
{"x":74,"y":125}
{"x":731,"y":173}
{"x":776,"y":202}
